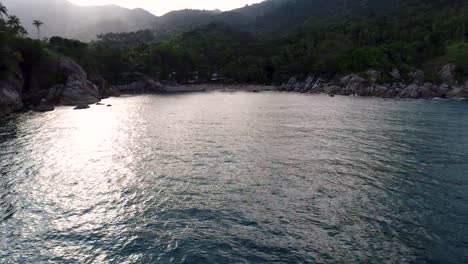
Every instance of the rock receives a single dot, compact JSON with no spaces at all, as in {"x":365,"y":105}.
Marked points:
{"x":417,"y":77}
{"x":11,"y":87}
{"x":145,"y":85}
{"x":352,"y":84}
{"x":109,"y":105}
{"x":333,"y":89}
{"x":447,"y":74}
{"x":459,"y":92}
{"x":79,"y":92}
{"x":70,"y":68}
{"x":99,"y":104}
{"x":411,"y":91}
{"x":429,"y":91}
{"x":318,"y":86}
{"x":80,"y":107}
{"x":44,"y":106}
{"x":373,"y":76}
{"x":154,"y":86}
{"x":10,"y":98}
{"x":291,"y":84}
{"x":443,"y":90}
{"x":395,"y":74}
{"x":391,"y":93}
{"x":104,"y":87}
{"x":54,"y":93}
{"x":309,"y":82}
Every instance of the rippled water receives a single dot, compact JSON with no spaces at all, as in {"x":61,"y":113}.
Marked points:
{"x":237,"y":178}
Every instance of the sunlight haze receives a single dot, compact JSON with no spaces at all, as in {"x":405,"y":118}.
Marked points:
{"x":160,"y":7}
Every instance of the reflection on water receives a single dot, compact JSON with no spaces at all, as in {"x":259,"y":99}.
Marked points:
{"x":236,"y":178}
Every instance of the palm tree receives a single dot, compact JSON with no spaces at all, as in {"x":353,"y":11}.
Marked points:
{"x":15,"y":24}
{"x":3,"y":11}
{"x":38,"y":24}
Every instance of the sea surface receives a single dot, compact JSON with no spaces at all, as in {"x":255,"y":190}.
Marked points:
{"x":236,"y":178}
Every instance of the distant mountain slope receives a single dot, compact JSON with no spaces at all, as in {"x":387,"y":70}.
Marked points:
{"x":63,"y":18}
{"x":268,"y":19}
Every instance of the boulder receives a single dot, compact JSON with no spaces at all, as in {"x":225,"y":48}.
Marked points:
{"x":459,"y":92}
{"x":145,"y":85}
{"x":318,"y":86}
{"x":104,"y":87}
{"x":11,"y":89}
{"x":10,"y":98}
{"x":79,"y":92}
{"x":411,"y":91}
{"x":395,"y":74}
{"x":429,"y":91}
{"x":44,"y":106}
{"x":417,"y":77}
{"x":447,"y":74}
{"x":373,"y":76}
{"x":290,"y":85}
{"x":443,"y":90}
{"x":308,"y":83}
{"x":333,"y":89}
{"x":353,"y":84}
{"x":69,"y":67}
{"x":81,"y":107}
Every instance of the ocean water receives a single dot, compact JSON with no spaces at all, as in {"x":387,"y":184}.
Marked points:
{"x":236,"y":178}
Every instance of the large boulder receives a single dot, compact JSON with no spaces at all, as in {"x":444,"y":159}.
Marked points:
{"x":459,"y":92}
{"x":79,"y":92}
{"x":429,"y":91}
{"x":417,"y":77}
{"x":104,"y":87}
{"x":373,"y":76}
{"x":352,"y":84}
{"x":10,"y":98}
{"x":145,"y":85}
{"x":69,"y":67}
{"x":447,"y":74}
{"x":44,"y":106}
{"x":395,"y":74}
{"x":318,"y":86}
{"x":411,"y":91}
{"x":333,"y":89}
{"x":308,"y":83}
{"x":290,"y":85}
{"x":11,"y":87}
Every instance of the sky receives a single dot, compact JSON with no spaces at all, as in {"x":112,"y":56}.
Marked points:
{"x":160,"y":7}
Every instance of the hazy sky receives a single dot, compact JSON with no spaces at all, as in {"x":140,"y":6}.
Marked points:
{"x":160,"y":7}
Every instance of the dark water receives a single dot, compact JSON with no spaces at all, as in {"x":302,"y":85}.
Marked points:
{"x":237,"y":178}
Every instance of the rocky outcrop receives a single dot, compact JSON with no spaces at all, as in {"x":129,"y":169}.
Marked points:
{"x":356,"y":85}
{"x":145,"y":85}
{"x":79,"y":92}
{"x":10,"y":90}
{"x":44,"y":106}
{"x":104,"y":87}
{"x":417,"y":77}
{"x":459,"y":91}
{"x":395,"y":74}
{"x":374,"y":76}
{"x":10,"y":98}
{"x":447,"y":74}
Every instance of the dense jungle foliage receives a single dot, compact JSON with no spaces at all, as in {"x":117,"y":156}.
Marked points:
{"x":413,"y":34}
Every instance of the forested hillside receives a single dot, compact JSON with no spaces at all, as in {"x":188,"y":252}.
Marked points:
{"x":382,"y":35}
{"x":412,"y":34}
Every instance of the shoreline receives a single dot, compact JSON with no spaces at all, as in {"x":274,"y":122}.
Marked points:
{"x":207,"y":88}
